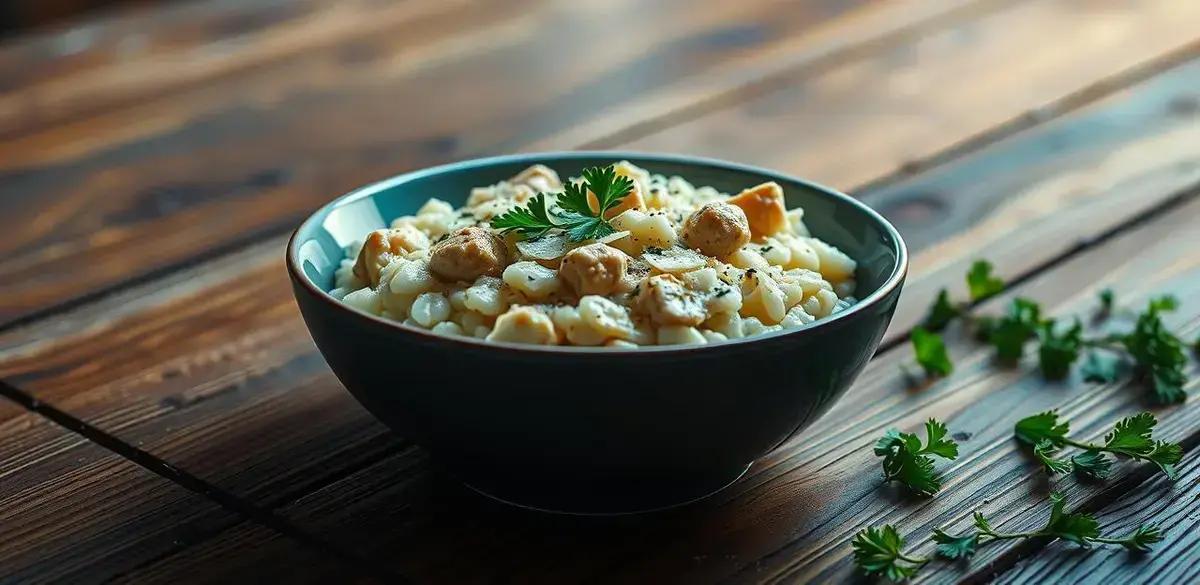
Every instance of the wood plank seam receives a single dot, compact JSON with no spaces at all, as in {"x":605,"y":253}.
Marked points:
{"x":353,"y":561}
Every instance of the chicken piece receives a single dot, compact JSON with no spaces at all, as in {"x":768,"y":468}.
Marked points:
{"x":524,"y":325}
{"x":764,"y":207}
{"x":667,"y":301}
{"x":539,"y":178}
{"x":717,"y":229}
{"x":383,"y":246}
{"x":467,"y":254}
{"x":594,"y":269}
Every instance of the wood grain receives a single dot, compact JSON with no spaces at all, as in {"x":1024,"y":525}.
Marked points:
{"x":150,"y":186}
{"x":120,"y":515}
{"x":210,"y":369}
{"x":245,"y":553}
{"x":925,"y":96}
{"x":1170,"y":561}
{"x":140,"y":188}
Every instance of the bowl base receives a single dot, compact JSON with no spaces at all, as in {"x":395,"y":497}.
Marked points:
{"x":610,"y":500}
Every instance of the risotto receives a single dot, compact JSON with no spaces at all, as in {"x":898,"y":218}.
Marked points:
{"x":619,"y":258}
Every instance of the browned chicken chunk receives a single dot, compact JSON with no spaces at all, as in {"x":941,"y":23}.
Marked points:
{"x":764,"y":207}
{"x":717,"y":229}
{"x":594,"y":269}
{"x":383,"y":246}
{"x":666,"y":300}
{"x":467,"y":254}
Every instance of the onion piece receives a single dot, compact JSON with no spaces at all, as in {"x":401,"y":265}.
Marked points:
{"x":675,"y":260}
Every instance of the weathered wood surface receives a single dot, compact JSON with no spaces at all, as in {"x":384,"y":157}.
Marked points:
{"x":71,"y":509}
{"x":132,"y":190}
{"x":276,"y":129}
{"x":207,"y":371}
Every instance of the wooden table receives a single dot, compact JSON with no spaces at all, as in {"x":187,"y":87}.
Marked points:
{"x":166,"y":418}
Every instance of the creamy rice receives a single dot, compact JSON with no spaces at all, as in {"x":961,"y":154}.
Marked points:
{"x":686,"y":265}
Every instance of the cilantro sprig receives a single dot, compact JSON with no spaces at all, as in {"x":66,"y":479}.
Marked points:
{"x":879,"y":551}
{"x":906,"y":460}
{"x":1156,"y":356}
{"x":1131,"y":437}
{"x":574,"y":214}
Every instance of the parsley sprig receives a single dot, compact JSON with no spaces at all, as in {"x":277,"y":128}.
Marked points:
{"x":574,"y":215}
{"x":1157,"y":357}
{"x":906,"y":460}
{"x":1131,"y":437}
{"x":879,"y":551}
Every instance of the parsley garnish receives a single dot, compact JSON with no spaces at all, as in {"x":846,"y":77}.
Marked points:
{"x":907,"y":461}
{"x":1130,"y":437}
{"x":1158,"y":356}
{"x":574,"y":215}
{"x":880,"y":551}
{"x":1078,"y":527}
{"x":981,"y":284}
{"x":931,"y":352}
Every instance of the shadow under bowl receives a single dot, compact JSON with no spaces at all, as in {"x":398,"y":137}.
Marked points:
{"x":594,"y":430}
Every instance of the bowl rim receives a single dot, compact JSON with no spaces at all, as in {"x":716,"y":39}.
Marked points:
{"x":894,"y":280}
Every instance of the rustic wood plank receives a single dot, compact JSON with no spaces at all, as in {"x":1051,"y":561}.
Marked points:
{"x":245,"y":553}
{"x":252,"y":153}
{"x":208,"y":359}
{"x":292,"y":162}
{"x":910,"y":101}
{"x":1171,"y":562}
{"x":72,"y":511}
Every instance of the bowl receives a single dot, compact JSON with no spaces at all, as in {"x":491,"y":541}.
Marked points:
{"x":594,"y":430}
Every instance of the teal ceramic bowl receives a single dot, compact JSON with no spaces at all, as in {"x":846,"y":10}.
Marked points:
{"x":594,"y":430}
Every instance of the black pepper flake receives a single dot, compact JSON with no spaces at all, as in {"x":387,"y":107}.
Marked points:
{"x":766,"y":249}
{"x":722,"y":292}
{"x":654,"y":250}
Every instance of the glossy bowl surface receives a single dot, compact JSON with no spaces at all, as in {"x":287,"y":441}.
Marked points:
{"x":594,"y":430}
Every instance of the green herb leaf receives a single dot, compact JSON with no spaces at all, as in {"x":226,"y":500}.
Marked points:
{"x":879,"y":552}
{"x":1010,"y":332}
{"x":907,"y":461}
{"x":930,"y":351}
{"x":531,"y":221}
{"x":1045,"y":452}
{"x":1164,"y":303}
{"x":1141,"y":539}
{"x":1058,"y":350}
{"x":1092,"y":465}
{"x":1080,"y":528}
{"x":1100,"y":369}
{"x":936,"y":442}
{"x":1107,"y":297}
{"x":941,"y":312}
{"x":955,"y":547}
{"x":1042,"y":427}
{"x":1131,"y":435}
{"x":576,"y":217}
{"x":1133,"y":438}
{"x":980,"y":281}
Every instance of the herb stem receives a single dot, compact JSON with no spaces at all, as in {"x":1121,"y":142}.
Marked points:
{"x":913,"y":560}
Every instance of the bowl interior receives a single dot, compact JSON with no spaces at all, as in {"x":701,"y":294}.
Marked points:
{"x":831,"y":216}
